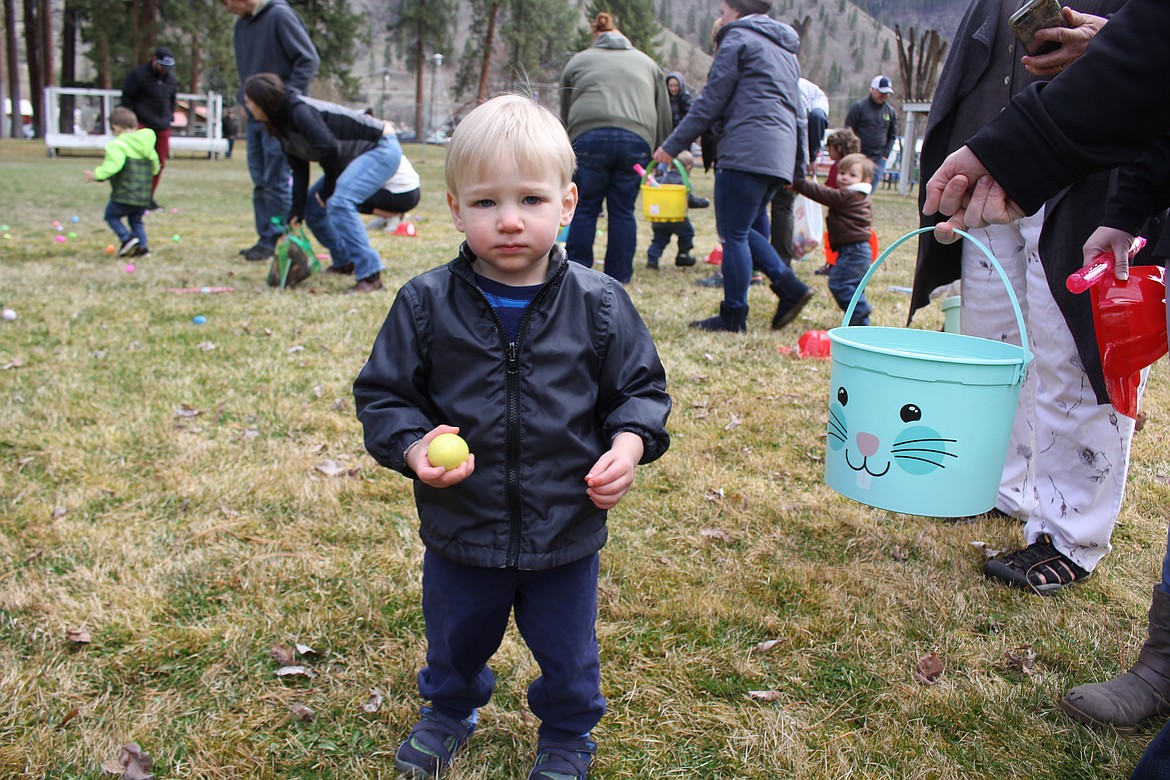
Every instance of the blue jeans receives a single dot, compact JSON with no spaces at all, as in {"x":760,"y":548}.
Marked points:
{"x":662,"y":234}
{"x":740,"y":197}
{"x":853,"y":260}
{"x":605,"y":172}
{"x":133,"y":214}
{"x":879,"y":171}
{"x":466,"y":611}
{"x":338,"y":225}
{"x":271,"y":196}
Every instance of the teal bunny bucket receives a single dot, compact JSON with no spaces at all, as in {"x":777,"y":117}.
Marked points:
{"x":919,"y":421}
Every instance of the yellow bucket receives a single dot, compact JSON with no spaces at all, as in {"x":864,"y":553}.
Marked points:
{"x":665,"y":202}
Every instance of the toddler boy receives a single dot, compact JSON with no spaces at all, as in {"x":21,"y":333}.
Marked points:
{"x":548,"y":371}
{"x":849,"y":223}
{"x":683,"y":229}
{"x":130,"y":165}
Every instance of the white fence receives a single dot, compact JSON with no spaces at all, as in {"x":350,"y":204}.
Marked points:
{"x":80,"y":119}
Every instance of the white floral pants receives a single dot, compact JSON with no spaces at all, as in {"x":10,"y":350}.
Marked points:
{"x":1068,"y":458}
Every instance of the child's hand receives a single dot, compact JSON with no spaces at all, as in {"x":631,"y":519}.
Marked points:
{"x":88,"y":175}
{"x":437,"y":476}
{"x":613,"y":473}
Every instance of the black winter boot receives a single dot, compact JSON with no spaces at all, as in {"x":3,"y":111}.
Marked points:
{"x":788,"y":310}
{"x":1142,"y":692}
{"x":730,"y":319}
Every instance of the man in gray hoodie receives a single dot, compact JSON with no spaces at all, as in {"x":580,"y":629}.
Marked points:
{"x":270,"y":38}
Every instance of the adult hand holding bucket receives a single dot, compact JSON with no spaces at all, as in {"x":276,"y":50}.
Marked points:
{"x":919,"y":421}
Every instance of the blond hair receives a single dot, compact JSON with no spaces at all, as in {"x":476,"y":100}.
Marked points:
{"x":851,"y":161}
{"x":509,"y":130}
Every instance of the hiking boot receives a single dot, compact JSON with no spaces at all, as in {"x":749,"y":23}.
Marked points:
{"x":729,"y":319}
{"x":369,"y":284}
{"x":1139,"y":694}
{"x":258,"y":252}
{"x":787,"y":312}
{"x":432,"y":744}
{"x":1039,"y":567}
{"x":714,"y":280}
{"x":563,"y":760}
{"x":652,"y":263}
{"x":685,"y":260}
{"x":127,"y":246}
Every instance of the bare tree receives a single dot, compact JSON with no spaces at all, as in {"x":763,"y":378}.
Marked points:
{"x":32,"y":40}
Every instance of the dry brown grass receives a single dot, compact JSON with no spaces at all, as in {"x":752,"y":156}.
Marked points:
{"x":187,"y":546}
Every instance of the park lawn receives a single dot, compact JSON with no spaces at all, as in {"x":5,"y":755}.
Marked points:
{"x":190,"y":496}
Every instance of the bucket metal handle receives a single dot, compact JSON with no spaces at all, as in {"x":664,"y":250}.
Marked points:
{"x":979,"y":245}
{"x":686,"y":179}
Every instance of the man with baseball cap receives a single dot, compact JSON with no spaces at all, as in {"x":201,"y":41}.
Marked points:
{"x":150,"y":91}
{"x":876,"y":125}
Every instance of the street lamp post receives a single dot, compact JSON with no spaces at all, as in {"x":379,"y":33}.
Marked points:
{"x":436,"y":63}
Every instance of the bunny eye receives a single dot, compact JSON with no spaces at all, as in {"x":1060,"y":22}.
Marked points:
{"x":842,"y":396}
{"x":911,"y":413}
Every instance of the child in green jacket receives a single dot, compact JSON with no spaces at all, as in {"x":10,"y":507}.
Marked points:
{"x":130,"y":165}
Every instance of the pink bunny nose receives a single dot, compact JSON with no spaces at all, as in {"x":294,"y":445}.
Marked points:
{"x":867,"y":443}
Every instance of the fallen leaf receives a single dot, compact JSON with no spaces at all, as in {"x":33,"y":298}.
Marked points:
{"x":113,"y":767}
{"x":374,"y":702}
{"x":283,"y":655}
{"x":14,"y":363}
{"x":297,"y":348}
{"x":930,"y":666}
{"x":136,"y":761}
{"x":988,"y":552}
{"x":78,"y":636}
{"x":296,"y":671}
{"x":814,"y":457}
{"x":899,"y":553}
{"x":206,"y":346}
{"x":330,"y":468}
{"x":1022,"y":659}
{"x":714,"y":495}
{"x":717,"y":534}
{"x":735,"y":423}
{"x":340,"y":405}
{"x":187,"y":411}
{"x":1139,"y":422}
{"x":73,"y":713}
{"x":318,"y":391}
{"x":767,"y":646}
{"x":302,"y":711}
{"x":59,"y":511}
{"x":305,"y":650}
{"x":764,"y":695}
{"x":25,"y":461}
{"x":250,"y":434}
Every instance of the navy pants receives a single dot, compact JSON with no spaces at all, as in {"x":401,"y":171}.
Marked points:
{"x":662,"y":233}
{"x":466,"y":609}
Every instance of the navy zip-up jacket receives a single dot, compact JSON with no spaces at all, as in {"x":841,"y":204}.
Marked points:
{"x":537,"y":413}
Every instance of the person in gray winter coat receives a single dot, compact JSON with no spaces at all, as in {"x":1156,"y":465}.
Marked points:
{"x":752,"y":92}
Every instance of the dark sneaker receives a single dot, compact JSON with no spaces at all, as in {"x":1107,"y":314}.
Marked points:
{"x":563,"y":760}
{"x":154,"y":206}
{"x":141,"y":251}
{"x":127,"y":246}
{"x":369,"y":284}
{"x":684,"y":260}
{"x":344,"y":270}
{"x":652,"y":263}
{"x":258,"y":252}
{"x":714,"y":280}
{"x":432,"y":744}
{"x":824,"y":270}
{"x":787,"y":312}
{"x":1039,"y":567}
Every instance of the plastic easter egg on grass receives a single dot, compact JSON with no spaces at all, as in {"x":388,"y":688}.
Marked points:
{"x":129,"y":268}
{"x":199,"y":319}
{"x":447,"y":450}
{"x":110,"y":249}
{"x":175,"y":238}
{"x":59,"y":239}
{"x":75,"y":219}
{"x":8,"y":314}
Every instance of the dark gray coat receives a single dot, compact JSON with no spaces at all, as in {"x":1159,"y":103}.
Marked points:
{"x":752,"y":100}
{"x":536,"y":413}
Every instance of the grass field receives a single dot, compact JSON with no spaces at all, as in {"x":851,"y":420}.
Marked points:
{"x":190,"y":496}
